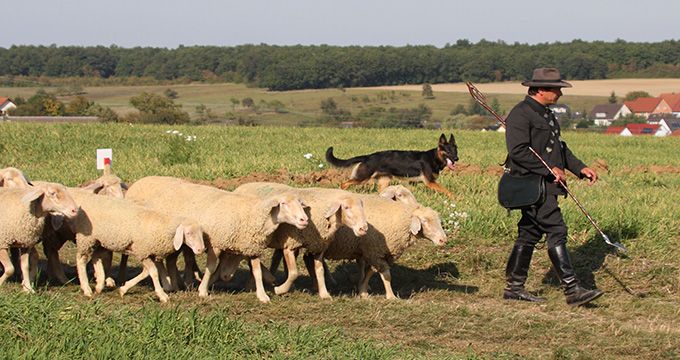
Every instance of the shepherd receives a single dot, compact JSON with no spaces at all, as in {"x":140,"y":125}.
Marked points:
{"x":532,"y":125}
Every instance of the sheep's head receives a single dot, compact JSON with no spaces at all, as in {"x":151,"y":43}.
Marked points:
{"x":351,"y":211}
{"x":287,"y":208}
{"x":52,"y":198}
{"x":189,"y":232}
{"x":108,"y":185}
{"x":425,"y":222}
{"x":399,"y":193}
{"x":13,"y":178}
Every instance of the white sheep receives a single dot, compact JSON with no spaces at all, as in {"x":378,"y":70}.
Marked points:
{"x":121,"y":226}
{"x":329,"y":209}
{"x":54,"y":239}
{"x":13,"y":178}
{"x":393,"y":227}
{"x":235,"y":224}
{"x":394,"y":192}
{"x":22,"y":221}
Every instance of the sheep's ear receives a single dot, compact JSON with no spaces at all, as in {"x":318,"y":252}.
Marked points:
{"x":57,"y":221}
{"x":332,"y":209}
{"x":95,"y":187}
{"x":390,"y":192}
{"x":271,"y":202}
{"x":123,"y":185}
{"x":415,"y":225}
{"x":33,"y":195}
{"x":179,"y":238}
{"x":303,"y":203}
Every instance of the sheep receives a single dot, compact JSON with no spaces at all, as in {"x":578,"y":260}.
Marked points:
{"x":235,"y":224}
{"x":330,"y":209}
{"x":393,"y":227}
{"x":54,"y":239}
{"x":22,"y":221}
{"x":122,"y":226}
{"x":394,"y":192}
{"x":13,"y":178}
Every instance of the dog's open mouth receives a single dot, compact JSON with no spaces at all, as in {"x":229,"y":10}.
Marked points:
{"x":450,"y":164}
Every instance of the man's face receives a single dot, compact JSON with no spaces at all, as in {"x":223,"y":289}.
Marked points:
{"x":549,"y":96}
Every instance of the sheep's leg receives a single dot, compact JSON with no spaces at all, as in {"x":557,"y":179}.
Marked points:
{"x":25,"y":271}
{"x":99,"y":272}
{"x":33,"y":263}
{"x":320,"y":277}
{"x":6,"y":264}
{"x":387,"y":282}
{"x":81,"y":265}
{"x":122,"y":270}
{"x":210,"y":268}
{"x":107,"y":260}
{"x":163,"y":276}
{"x":191,"y":271}
{"x":289,"y":258}
{"x":276,"y":260}
{"x":173,"y":273}
{"x":134,"y":281}
{"x":152,"y":268}
{"x":55,"y":269}
{"x":363,"y":286}
{"x":257,"y":274}
{"x":361,"y":264}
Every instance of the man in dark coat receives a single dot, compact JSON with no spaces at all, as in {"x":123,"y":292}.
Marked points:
{"x":531,"y":123}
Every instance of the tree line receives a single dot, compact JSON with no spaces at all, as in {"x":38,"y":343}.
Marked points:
{"x":323,"y":66}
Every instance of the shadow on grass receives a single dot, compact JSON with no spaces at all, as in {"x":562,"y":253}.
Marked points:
{"x":590,"y":256}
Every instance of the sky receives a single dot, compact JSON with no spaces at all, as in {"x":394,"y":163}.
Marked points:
{"x":171,"y":23}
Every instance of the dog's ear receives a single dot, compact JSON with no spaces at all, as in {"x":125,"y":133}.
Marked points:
{"x":452,"y":140}
{"x":442,"y":139}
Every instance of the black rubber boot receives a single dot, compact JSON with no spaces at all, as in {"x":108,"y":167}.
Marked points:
{"x":516,"y":274}
{"x":574,"y":293}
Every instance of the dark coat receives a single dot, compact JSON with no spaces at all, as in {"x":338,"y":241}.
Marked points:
{"x":531,"y":124}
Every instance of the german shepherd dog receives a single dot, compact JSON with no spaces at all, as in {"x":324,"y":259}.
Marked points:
{"x":412,"y":165}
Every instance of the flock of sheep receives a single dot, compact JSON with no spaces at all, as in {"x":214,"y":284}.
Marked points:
{"x":158,"y":218}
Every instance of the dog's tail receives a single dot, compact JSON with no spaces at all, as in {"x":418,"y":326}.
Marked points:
{"x":340,"y":162}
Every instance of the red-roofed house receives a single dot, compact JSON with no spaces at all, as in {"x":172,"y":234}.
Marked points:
{"x":6,"y":105}
{"x":648,"y":105}
{"x":614,"y":130}
{"x":676,"y":133}
{"x":673,"y":101}
{"x":640,"y":129}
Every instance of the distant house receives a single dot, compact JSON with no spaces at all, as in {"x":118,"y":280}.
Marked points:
{"x":645,"y":106}
{"x":639,"y":129}
{"x":605,"y":114}
{"x":676,"y":133}
{"x":667,"y":127}
{"x":614,"y":130}
{"x":673,"y":101}
{"x":6,"y":105}
{"x":657,"y":118}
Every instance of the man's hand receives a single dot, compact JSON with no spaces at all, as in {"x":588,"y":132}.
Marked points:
{"x":590,"y":174}
{"x":559,"y":175}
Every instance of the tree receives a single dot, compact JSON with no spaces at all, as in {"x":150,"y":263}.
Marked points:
{"x":636,"y":95}
{"x":612,"y":98}
{"x":170,"y":93}
{"x":427,"y":91}
{"x":248,"y":102}
{"x":79,"y":106}
{"x":157,"y":109}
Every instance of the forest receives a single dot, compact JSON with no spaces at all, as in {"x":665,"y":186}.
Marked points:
{"x":325,"y":66}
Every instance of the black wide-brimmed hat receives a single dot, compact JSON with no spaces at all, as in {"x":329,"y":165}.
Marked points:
{"x":546,"y":77}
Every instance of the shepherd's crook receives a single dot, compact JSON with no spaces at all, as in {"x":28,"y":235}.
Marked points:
{"x":481,"y":100}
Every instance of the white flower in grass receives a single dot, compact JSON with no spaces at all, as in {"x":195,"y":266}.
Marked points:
{"x":320,"y":165}
{"x":308,"y":156}
{"x":175,"y":131}
{"x":168,"y":131}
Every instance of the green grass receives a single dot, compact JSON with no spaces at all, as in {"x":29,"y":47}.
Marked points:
{"x":451,"y":305}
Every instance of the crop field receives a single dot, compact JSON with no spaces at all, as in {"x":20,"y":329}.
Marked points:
{"x":304,"y":105}
{"x":450,"y":305}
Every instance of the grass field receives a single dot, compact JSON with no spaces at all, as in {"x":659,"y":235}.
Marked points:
{"x":451,"y":303}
